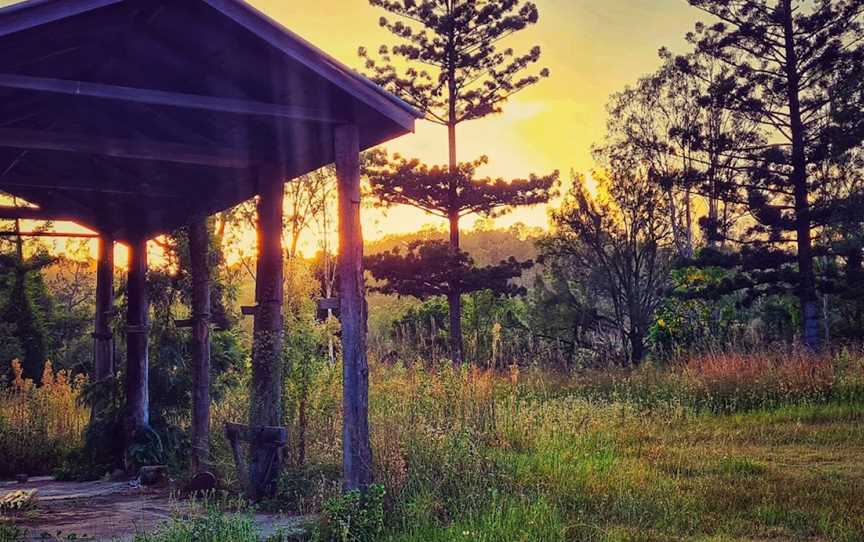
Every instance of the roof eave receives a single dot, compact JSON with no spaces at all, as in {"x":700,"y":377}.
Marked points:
{"x":26,"y":15}
{"x":318,"y":61}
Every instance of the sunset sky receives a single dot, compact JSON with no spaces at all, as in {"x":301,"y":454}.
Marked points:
{"x":593,"y":48}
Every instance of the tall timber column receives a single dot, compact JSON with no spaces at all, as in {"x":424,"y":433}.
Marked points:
{"x":266,"y":399}
{"x":199,"y":249}
{"x":356,"y":449}
{"x":103,"y":340}
{"x":137,"y":331}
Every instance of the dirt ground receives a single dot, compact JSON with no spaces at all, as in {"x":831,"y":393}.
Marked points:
{"x":108,"y":510}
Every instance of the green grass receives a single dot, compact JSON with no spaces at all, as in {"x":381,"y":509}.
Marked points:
{"x":788,"y":474}
{"x":556,"y":468}
{"x":744,"y":449}
{"x":213,"y":526}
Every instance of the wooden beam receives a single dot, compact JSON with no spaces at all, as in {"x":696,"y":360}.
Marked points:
{"x":68,"y":235}
{"x":137,"y":363}
{"x":18,"y":182}
{"x":32,"y":213}
{"x":329,"y":304}
{"x":266,"y":394}
{"x":356,"y":447}
{"x":170,"y":99}
{"x":124,"y":148}
{"x":28,"y":15}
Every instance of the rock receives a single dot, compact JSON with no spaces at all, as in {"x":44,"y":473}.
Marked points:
{"x":202,"y":482}
{"x":156,"y":475}
{"x":22,"y":478}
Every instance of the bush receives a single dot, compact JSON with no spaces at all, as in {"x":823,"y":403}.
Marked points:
{"x":11,"y":533}
{"x":40,"y":424}
{"x":308,"y":487}
{"x":353,"y":517}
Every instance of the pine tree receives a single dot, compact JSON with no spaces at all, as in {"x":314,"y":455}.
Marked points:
{"x":796,"y":72}
{"x":455,"y":73}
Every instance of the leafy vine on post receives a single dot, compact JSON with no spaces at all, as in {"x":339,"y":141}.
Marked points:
{"x":454,"y":73}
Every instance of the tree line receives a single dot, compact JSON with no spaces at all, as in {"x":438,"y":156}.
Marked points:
{"x":726,"y":194}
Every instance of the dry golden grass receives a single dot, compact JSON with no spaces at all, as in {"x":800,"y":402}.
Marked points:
{"x":40,"y":424}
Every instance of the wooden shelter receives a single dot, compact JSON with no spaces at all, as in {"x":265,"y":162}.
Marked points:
{"x":136,"y":117}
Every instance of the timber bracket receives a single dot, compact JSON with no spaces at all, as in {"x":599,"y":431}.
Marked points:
{"x":270,"y":438}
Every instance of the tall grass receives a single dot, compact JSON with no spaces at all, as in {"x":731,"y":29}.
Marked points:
{"x":528,"y":454}
{"x":719,"y":446}
{"x":40,"y":424}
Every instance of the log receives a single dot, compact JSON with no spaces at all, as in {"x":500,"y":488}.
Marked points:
{"x":356,"y":448}
{"x":199,"y":244}
{"x":137,"y":365}
{"x":266,"y":394}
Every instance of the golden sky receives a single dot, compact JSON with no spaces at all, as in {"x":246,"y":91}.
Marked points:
{"x":592,"y":47}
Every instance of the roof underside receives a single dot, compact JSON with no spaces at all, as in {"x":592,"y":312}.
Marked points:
{"x":134,"y":116}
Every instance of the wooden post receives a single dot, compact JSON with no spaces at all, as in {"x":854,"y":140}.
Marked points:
{"x":356,"y":449}
{"x":266,"y":396}
{"x":137,"y":326}
{"x":199,"y":245}
{"x":103,"y":339}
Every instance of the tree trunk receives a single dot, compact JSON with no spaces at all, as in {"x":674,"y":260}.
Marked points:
{"x":810,"y":329}
{"x":637,"y":346}
{"x":454,"y":303}
{"x":103,"y":339}
{"x":137,"y":331}
{"x":454,"y":298}
{"x":266,"y":400}
{"x":199,"y":245}
{"x":356,"y":448}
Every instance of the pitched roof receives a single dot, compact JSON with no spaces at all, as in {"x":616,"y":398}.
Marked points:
{"x":136,"y":115}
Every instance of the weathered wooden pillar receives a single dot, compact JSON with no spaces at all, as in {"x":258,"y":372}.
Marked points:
{"x":266,"y":397}
{"x":137,"y":327}
{"x":356,"y":449}
{"x":103,"y":339}
{"x":199,"y":249}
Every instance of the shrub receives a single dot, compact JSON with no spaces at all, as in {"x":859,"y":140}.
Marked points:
{"x":40,"y":424}
{"x":308,"y":487}
{"x":11,"y":533}
{"x":353,"y":517}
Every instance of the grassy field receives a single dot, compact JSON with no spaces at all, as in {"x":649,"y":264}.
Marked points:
{"x":765,"y":446}
{"x":792,"y":473}
{"x":721,"y":448}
